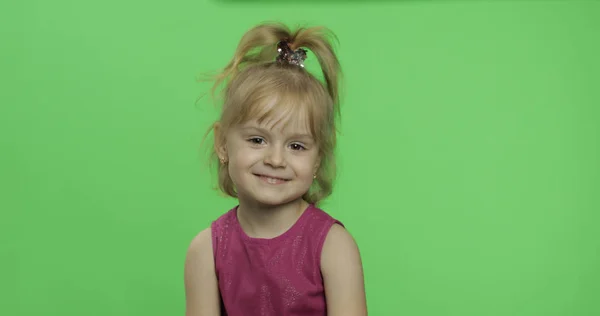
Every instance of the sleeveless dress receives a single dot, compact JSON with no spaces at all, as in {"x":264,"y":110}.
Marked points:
{"x":271,"y":277}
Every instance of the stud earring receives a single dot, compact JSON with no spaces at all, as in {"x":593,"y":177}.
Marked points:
{"x":314,"y":176}
{"x":222,"y":160}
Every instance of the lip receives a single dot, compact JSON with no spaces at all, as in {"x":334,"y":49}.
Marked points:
{"x":265,"y":176}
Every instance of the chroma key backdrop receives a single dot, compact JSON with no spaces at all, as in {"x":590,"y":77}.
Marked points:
{"x":469,"y":160}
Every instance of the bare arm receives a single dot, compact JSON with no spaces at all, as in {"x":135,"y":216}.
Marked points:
{"x":342,"y":271}
{"x":201,"y":287}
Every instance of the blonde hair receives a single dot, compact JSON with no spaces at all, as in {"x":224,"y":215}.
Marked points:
{"x":252,"y":79}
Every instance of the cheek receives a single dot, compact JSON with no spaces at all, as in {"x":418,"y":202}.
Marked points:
{"x":306,"y":169}
{"x":244,"y":156}
{"x":242,"y":159}
{"x":237,"y":167}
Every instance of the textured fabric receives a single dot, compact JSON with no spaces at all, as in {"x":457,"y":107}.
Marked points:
{"x":271,"y":277}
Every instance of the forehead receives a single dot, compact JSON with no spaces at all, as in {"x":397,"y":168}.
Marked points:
{"x":279,"y":116}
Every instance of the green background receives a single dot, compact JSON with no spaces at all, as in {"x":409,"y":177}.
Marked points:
{"x":469,"y":151}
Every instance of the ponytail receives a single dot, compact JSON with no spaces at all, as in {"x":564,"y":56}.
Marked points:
{"x":318,"y":40}
{"x":259,"y":46}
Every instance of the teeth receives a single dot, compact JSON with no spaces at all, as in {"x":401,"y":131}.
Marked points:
{"x":273,"y":180}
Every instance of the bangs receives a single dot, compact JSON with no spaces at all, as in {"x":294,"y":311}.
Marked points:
{"x":285,"y":109}
{"x":281,"y":98}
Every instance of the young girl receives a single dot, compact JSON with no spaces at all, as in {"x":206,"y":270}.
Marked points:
{"x":276,"y":253}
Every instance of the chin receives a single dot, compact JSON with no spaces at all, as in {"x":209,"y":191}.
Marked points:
{"x":274,"y":199}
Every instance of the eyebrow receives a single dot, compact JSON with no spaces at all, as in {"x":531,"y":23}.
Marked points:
{"x":264,"y":131}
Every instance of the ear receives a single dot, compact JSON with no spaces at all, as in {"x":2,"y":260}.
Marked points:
{"x":317,"y":165}
{"x":220,"y":145}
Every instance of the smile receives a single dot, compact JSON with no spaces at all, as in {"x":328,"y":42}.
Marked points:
{"x":271,"y":180}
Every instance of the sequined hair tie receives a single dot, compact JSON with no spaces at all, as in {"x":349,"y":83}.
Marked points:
{"x":289,"y":56}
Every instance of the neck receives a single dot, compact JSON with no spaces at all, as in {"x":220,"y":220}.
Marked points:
{"x":269,"y":221}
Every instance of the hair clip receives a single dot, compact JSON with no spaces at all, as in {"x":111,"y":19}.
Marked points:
{"x":289,"y":56}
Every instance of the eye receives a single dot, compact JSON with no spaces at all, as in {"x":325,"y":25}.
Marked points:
{"x":296,"y":146}
{"x":256,"y":140}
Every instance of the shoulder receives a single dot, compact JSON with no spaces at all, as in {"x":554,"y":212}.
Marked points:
{"x":200,"y":246}
{"x":201,"y":285}
{"x":202,"y":238}
{"x":223,"y":226}
{"x":199,"y":263}
{"x":201,"y":250}
{"x":342,"y":271}
{"x":224,"y":220}
{"x":339,"y":242}
{"x":327,"y":230}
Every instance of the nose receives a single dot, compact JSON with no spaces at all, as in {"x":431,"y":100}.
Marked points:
{"x":275,"y":157}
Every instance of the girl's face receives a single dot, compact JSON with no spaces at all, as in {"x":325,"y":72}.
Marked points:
{"x":272,"y":164}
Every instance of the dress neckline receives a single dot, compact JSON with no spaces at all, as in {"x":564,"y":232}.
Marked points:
{"x":290,"y":232}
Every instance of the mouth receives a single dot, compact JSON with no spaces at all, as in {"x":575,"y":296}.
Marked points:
{"x":271,"y":180}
